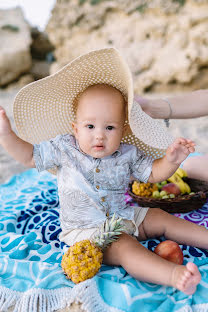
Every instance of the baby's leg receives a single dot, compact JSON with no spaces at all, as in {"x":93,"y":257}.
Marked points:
{"x":196,"y":167}
{"x":158,"y":222}
{"x":145,"y":265}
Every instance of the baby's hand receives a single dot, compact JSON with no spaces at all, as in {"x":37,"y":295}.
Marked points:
{"x":179,"y":150}
{"x":5,"y":126}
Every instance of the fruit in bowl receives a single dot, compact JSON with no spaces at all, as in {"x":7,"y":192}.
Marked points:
{"x":143,"y":189}
{"x":177,"y":178}
{"x":171,"y":188}
{"x":170,"y":251}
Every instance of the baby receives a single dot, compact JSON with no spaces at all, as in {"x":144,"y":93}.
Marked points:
{"x":93,"y":172}
{"x":98,"y":131}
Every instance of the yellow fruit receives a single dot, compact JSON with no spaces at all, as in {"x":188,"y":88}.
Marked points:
{"x":155,"y":187}
{"x":182,"y":186}
{"x":182,"y":173}
{"x":135,"y":188}
{"x":83,"y":260}
{"x":144,"y":189}
{"x":176,"y":178}
{"x":187,"y":188}
{"x":156,"y":194}
{"x":165,"y":197}
{"x":163,"y":193}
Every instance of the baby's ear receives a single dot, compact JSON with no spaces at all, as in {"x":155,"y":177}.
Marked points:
{"x":74,"y":127}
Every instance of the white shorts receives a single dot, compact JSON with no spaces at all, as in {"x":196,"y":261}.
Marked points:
{"x":70,"y":237}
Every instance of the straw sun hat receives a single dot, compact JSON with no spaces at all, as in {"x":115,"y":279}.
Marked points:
{"x":45,"y":108}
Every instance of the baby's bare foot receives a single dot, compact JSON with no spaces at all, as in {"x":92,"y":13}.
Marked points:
{"x":186,"y":278}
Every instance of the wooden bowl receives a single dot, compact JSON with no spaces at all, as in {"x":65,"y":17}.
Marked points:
{"x":179,"y":204}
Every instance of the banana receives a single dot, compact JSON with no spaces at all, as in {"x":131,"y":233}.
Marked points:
{"x":182,"y":173}
{"x":176,"y":178}
{"x":188,"y":189}
{"x":183,"y":187}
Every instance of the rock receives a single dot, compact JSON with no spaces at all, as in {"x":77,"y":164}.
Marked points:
{"x":15,"y":40}
{"x":21,"y":82}
{"x":39,"y":69}
{"x":164,"y":42}
{"x":41,"y":45}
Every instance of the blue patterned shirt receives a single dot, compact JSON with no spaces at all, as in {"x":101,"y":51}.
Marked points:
{"x":89,"y":188}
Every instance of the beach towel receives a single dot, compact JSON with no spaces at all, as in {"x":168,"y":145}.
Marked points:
{"x":31,"y":279}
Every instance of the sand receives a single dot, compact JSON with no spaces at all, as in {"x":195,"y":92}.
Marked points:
{"x":196,"y":129}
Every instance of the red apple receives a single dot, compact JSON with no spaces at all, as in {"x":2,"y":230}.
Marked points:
{"x":172,"y":188}
{"x":170,"y":251}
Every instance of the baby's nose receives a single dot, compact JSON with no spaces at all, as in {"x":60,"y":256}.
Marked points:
{"x":99,"y":135}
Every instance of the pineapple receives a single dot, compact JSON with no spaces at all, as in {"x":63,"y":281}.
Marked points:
{"x":83,"y":260}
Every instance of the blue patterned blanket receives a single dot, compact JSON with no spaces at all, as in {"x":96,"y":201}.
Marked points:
{"x":31,"y":278}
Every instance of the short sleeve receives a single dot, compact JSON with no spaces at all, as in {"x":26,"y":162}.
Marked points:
{"x":141,"y":165}
{"x":47,"y":154}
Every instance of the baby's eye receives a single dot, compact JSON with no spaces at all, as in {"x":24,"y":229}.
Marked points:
{"x":90,"y":126}
{"x":109,"y":127}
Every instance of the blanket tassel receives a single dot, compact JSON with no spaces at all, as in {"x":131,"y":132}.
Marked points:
{"x":46,"y":300}
{"x":35,"y":300}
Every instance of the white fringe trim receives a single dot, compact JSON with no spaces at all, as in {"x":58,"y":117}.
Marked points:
{"x":34,"y":300}
{"x":86,"y":293}
{"x":202,"y":307}
{"x":43,"y":300}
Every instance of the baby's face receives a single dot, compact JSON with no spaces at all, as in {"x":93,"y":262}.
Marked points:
{"x":100,"y":121}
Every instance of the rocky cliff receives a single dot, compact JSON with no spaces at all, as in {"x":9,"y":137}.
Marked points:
{"x":164,"y":42}
{"x":23,"y":50}
{"x":15,"y":58}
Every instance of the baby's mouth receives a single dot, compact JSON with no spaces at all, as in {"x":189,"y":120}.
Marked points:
{"x":98,"y":147}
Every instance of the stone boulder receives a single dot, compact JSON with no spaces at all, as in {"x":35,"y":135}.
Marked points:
{"x":15,"y":40}
{"x":164,"y":41}
{"x":42,"y":54}
{"x":40,"y":46}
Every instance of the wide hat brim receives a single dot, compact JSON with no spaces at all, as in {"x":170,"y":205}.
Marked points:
{"x":45,"y":108}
